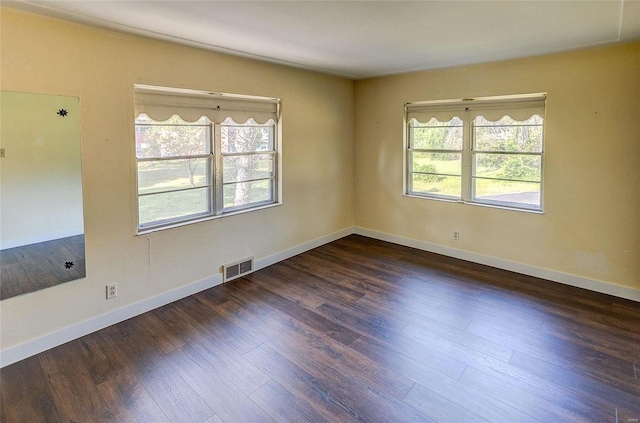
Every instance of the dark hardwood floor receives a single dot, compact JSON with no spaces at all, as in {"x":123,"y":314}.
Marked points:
{"x":37,"y":266}
{"x":355,"y":330}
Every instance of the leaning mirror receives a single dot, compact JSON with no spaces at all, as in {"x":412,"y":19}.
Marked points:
{"x":41,"y":218}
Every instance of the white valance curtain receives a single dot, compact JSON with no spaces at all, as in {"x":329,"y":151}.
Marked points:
{"x":519,"y":108}
{"x":161,"y":103}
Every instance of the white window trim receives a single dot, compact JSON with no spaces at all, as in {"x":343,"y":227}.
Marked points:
{"x":451,"y":108}
{"x":229,"y":100}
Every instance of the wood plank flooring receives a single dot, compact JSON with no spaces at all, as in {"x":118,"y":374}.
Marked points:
{"x":37,"y":266}
{"x":357,"y":330}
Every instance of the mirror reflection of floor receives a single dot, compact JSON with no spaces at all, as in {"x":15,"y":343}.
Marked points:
{"x":33,"y":267}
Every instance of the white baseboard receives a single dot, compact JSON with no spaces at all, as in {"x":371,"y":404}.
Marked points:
{"x":552,"y":275}
{"x":59,"y":337}
{"x":78,"y":330}
{"x":299,"y":249}
{"x":36,"y":239}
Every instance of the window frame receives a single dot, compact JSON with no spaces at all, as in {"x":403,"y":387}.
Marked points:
{"x":215,"y":187}
{"x":209,"y":186}
{"x":469,"y":151}
{"x":257,"y":152}
{"x":409,"y":169}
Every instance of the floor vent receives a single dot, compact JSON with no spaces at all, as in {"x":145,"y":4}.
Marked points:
{"x":236,"y":270}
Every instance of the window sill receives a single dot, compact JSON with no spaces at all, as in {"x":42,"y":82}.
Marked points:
{"x":474,"y":203}
{"x":149,"y":230}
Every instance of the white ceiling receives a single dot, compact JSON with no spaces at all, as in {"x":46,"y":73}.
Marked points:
{"x":360,"y":39}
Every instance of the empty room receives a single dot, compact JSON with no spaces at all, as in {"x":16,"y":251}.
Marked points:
{"x":320,"y":211}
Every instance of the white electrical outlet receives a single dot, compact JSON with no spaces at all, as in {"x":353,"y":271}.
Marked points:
{"x":456,"y":235}
{"x":112,"y":290}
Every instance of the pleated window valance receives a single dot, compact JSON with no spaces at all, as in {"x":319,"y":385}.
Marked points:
{"x":160,"y":103}
{"x":519,"y":108}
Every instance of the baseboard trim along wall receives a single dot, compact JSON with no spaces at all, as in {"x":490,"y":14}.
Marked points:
{"x":552,"y":275}
{"x":36,"y":346}
{"x":59,"y":337}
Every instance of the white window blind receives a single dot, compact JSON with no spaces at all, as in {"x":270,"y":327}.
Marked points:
{"x":519,"y":108}
{"x":161,"y":103}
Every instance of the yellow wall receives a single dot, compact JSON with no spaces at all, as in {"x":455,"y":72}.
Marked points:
{"x":45,"y":55}
{"x":591,"y":224}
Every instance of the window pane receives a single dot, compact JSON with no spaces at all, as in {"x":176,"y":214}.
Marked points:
{"x":512,"y":194}
{"x":245,"y":193}
{"x":507,"y":134}
{"x":246,"y":138}
{"x":173,"y":205}
{"x":436,"y":135}
{"x":517,"y":167}
{"x":441,"y":163}
{"x":243,"y":168}
{"x":174,"y":137}
{"x":167,"y":175}
{"x":448,"y":186}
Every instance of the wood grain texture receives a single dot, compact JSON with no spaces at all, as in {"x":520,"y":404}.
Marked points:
{"x":37,"y":266}
{"x":357,"y":330}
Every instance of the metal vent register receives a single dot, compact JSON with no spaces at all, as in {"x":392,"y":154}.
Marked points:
{"x":235,"y":270}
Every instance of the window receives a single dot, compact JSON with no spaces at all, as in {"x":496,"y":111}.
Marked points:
{"x":200,"y":155}
{"x":248,"y":163}
{"x":480,"y":151}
